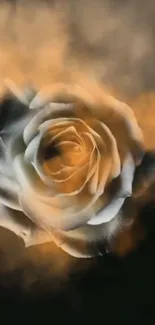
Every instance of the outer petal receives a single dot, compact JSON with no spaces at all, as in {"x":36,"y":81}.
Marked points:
{"x":108,"y":213}
{"x":52,"y":93}
{"x":5,"y":166}
{"x":47,"y":113}
{"x":8,"y":185}
{"x":85,"y":242}
{"x":121,"y":120}
{"x":23,"y":227}
{"x":112,"y":209}
{"x":27,"y":177}
{"x":46,"y":215}
{"x":15,"y":221}
{"x":9,"y":193}
{"x":82,"y":242}
{"x":118,"y":116}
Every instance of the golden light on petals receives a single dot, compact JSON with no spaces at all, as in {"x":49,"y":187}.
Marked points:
{"x":82,"y":155}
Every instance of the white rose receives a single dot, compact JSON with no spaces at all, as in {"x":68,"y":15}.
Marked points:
{"x":66,"y":168}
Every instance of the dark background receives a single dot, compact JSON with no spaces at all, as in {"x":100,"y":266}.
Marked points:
{"x":108,"y":289}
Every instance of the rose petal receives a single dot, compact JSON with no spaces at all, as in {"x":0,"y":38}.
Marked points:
{"x":38,"y":163}
{"x":15,"y":221}
{"x":27,"y":177}
{"x":84,"y":242}
{"x":25,"y":95}
{"x":91,"y":134}
{"x":44,"y":214}
{"x":9,"y":190}
{"x":121,"y":120}
{"x":8,"y":187}
{"x":127,"y":176}
{"x":108,"y":109}
{"x":48,"y":215}
{"x":5,"y":166}
{"x":111,"y":143}
{"x":32,"y":149}
{"x":23,"y":227}
{"x":15,"y":146}
{"x":109,"y":212}
{"x":93,"y":184}
{"x":37,"y":236}
{"x":51,"y":93}
{"x":32,"y":158}
{"x":81,"y":242}
{"x":53,"y":110}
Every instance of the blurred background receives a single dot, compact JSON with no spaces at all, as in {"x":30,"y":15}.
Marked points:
{"x":108,"y":41}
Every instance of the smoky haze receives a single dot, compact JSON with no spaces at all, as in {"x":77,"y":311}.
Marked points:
{"x":115,"y":40}
{"x":111,"y":40}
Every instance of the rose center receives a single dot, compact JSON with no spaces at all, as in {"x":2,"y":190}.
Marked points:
{"x":51,"y":152}
{"x":65,"y":154}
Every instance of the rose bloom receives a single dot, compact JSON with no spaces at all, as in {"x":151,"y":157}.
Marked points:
{"x":67,"y":164}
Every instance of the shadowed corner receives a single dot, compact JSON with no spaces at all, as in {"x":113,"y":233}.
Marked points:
{"x":138,"y":211}
{"x":144,"y":174}
{"x":14,"y":105}
{"x":10,"y":110}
